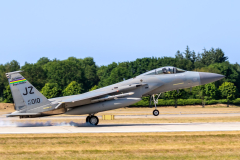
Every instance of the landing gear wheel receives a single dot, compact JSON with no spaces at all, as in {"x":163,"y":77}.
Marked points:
{"x":87,"y":119}
{"x":93,"y":120}
{"x":155,"y":112}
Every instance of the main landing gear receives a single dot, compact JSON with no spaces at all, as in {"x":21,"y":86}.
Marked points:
{"x":155,"y":101}
{"x":92,"y":120}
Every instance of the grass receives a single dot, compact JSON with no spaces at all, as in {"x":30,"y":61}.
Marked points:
{"x":178,"y":146}
{"x":181,"y":145}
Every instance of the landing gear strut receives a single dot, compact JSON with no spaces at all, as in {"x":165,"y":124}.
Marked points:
{"x":155,"y":101}
{"x":92,"y":120}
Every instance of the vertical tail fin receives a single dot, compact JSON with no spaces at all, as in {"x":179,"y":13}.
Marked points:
{"x":25,"y":95}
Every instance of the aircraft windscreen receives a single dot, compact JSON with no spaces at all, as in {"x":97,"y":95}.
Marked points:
{"x":166,"y":70}
{"x":162,"y":71}
{"x":178,"y":70}
{"x":152,"y":73}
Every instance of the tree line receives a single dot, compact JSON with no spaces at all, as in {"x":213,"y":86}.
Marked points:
{"x":74,"y":76}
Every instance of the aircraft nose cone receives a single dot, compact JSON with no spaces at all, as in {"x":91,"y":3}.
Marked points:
{"x":206,"y":78}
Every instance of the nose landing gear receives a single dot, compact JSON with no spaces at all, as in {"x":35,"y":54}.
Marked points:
{"x":92,"y":120}
{"x":155,"y":101}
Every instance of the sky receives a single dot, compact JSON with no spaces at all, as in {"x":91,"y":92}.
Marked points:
{"x":116,"y":31}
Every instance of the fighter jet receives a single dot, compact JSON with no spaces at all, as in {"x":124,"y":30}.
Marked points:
{"x":30,"y":103}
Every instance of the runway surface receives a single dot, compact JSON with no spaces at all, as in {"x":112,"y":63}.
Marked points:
{"x":119,"y":128}
{"x":8,"y":126}
{"x":3,"y":117}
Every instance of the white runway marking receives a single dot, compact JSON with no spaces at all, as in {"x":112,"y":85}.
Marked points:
{"x":118,"y":128}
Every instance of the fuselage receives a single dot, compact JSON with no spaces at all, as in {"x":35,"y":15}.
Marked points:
{"x":149,"y":84}
{"x":29,"y":102}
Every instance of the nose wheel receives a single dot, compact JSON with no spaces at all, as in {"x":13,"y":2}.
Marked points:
{"x":155,"y":112}
{"x":155,"y":100}
{"x":92,"y":120}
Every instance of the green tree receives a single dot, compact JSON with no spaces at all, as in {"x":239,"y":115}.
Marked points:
{"x":90,"y":73}
{"x":12,"y":66}
{"x":8,"y":67}
{"x":200,"y":92}
{"x":213,"y":56}
{"x":118,"y":74}
{"x":230,"y":71}
{"x":198,"y":62}
{"x":3,"y":80}
{"x":219,"y":56}
{"x":237,"y":66}
{"x":7,"y":95}
{"x":90,"y":76}
{"x":211,"y":91}
{"x":93,"y":88}
{"x":64,"y":72}
{"x":179,"y":55}
{"x":35,"y":75}
{"x":188,"y":53}
{"x":104,"y":72}
{"x":72,"y":89}
{"x":42,"y":61}
{"x":51,"y":90}
{"x":175,"y":95}
{"x":229,"y":91}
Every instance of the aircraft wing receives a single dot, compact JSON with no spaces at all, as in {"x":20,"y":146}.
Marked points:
{"x":97,"y":95}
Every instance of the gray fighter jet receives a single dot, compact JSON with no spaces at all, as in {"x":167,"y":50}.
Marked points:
{"x":30,"y":103}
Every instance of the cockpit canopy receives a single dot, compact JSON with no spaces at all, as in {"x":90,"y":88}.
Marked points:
{"x":165,"y":70}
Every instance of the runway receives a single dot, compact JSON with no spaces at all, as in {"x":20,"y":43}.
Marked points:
{"x":121,"y":128}
{"x":3,"y":117}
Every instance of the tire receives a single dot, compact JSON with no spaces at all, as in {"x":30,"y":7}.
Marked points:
{"x":155,"y":112}
{"x":93,"y":120}
{"x":87,"y":119}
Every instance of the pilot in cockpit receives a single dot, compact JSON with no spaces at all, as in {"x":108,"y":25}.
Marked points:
{"x":165,"y":70}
